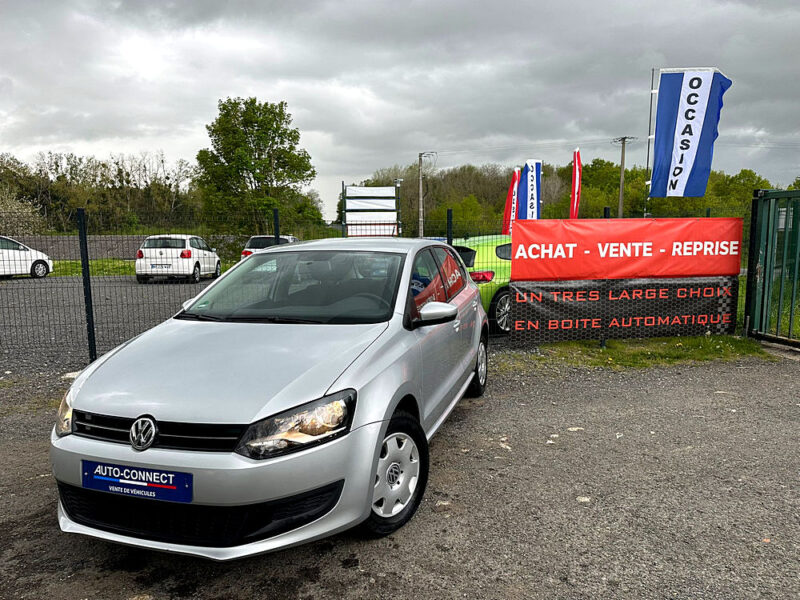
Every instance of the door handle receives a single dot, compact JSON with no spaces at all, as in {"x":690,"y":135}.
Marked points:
{"x":456,"y":324}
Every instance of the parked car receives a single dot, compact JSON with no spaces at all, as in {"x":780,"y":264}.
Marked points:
{"x":259,"y":242}
{"x":276,"y":409}
{"x":488,"y":258}
{"x":19,"y":259}
{"x":176,"y":255}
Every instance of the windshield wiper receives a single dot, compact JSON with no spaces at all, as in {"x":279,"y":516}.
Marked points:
{"x":196,"y":317}
{"x":269,"y":319}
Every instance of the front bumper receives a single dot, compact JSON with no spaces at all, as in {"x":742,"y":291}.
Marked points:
{"x":228,"y":480}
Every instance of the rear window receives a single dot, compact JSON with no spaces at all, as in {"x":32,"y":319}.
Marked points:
{"x":257,"y":243}
{"x":503,"y":251}
{"x":164,"y":243}
{"x":468,"y":254}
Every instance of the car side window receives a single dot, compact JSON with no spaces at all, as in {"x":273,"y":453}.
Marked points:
{"x":7,"y":244}
{"x":451,"y":270}
{"x":426,"y":282}
{"x":193,"y":243}
{"x":203,"y":245}
{"x":503,"y":251}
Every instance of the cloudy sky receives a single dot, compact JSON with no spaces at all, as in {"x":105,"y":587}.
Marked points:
{"x":371,"y":83}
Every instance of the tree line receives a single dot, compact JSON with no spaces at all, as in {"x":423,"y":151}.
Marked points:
{"x":254,"y":164}
{"x":477,"y":195}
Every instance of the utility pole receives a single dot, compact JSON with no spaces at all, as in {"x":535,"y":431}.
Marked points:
{"x":621,"y":140}
{"x":421,"y":210}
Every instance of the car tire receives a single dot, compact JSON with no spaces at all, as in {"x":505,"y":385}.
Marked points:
{"x":481,"y":373}
{"x":195,"y":276}
{"x":500,"y":312}
{"x":39,"y":269}
{"x":142,"y":279}
{"x":400,"y":474}
{"x":217,"y":271}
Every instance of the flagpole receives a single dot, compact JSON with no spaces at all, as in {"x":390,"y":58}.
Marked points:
{"x":649,"y":133}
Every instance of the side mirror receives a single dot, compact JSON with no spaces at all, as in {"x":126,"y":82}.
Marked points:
{"x":23,"y":248}
{"x":434,"y":313}
{"x":213,"y":249}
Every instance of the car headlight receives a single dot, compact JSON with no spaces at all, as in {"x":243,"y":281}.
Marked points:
{"x":314,"y":423}
{"x":64,"y":419}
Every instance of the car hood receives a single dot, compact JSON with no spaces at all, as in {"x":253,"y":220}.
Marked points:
{"x":205,"y":372}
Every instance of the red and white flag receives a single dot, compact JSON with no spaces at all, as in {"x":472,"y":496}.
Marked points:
{"x":575,"y":199}
{"x":511,"y":203}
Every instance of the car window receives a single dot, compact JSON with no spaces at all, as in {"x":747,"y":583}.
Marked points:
{"x":320,"y":286}
{"x":6,"y":244}
{"x":467,"y":255}
{"x":201,"y":243}
{"x":451,"y":270}
{"x":164,"y":243}
{"x":503,"y":251}
{"x":426,"y":281}
{"x":259,"y":242}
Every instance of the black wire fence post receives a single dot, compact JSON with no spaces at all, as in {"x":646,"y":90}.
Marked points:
{"x":450,"y":226}
{"x":276,"y":223}
{"x":606,"y":215}
{"x":87,"y":284}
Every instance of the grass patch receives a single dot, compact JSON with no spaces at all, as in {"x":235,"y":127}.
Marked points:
{"x":106,"y":267}
{"x":643,"y":353}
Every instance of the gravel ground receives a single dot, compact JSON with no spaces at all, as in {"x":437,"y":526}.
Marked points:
{"x":560,"y":482}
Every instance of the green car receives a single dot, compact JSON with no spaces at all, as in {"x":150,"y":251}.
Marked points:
{"x":488,"y":258}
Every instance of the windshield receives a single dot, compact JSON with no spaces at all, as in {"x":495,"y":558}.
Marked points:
{"x":164,"y":243}
{"x":320,"y":286}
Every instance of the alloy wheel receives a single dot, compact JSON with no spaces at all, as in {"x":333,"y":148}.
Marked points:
{"x":483,"y":363}
{"x":503,"y":312}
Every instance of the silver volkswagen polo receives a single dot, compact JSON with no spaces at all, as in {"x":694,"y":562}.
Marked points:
{"x":292,"y":399}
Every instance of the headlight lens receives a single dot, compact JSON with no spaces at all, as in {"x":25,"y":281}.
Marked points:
{"x":299,"y":428}
{"x":64,"y":419}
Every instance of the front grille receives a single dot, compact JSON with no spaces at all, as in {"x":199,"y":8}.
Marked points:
{"x":196,"y":524}
{"x":177,"y":436}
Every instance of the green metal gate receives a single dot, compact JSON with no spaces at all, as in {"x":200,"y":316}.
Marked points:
{"x":772,"y":305}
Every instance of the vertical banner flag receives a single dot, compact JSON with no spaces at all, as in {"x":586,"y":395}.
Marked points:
{"x":687,"y":115}
{"x":577,"y":167}
{"x":529,"y":203}
{"x":511,"y":203}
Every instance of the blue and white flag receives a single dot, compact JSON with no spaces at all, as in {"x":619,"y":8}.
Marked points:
{"x":687,"y":114}
{"x":529,"y":192}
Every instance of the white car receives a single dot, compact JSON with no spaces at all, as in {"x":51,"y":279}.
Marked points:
{"x":176,"y":255}
{"x":259,"y":242}
{"x":19,"y":259}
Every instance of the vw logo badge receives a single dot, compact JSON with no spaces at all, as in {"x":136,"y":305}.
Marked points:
{"x":143,"y":433}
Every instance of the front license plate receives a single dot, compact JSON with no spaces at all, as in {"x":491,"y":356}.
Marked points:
{"x":160,"y":266}
{"x":140,"y":482}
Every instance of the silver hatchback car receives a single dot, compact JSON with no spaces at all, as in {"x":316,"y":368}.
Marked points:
{"x":292,"y":399}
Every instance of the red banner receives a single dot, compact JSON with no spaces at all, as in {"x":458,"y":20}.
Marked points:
{"x":510,"y":213}
{"x":560,"y":249}
{"x":575,"y":197}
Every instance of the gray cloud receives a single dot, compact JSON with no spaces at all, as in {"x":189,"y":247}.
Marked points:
{"x":370,"y":84}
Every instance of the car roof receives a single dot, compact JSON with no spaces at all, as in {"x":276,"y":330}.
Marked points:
{"x":497,"y":238}
{"x":374,"y":244}
{"x":182,"y":236}
{"x":267,"y":235}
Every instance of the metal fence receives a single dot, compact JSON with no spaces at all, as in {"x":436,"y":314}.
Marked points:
{"x":92,"y":289}
{"x":773,"y":274}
